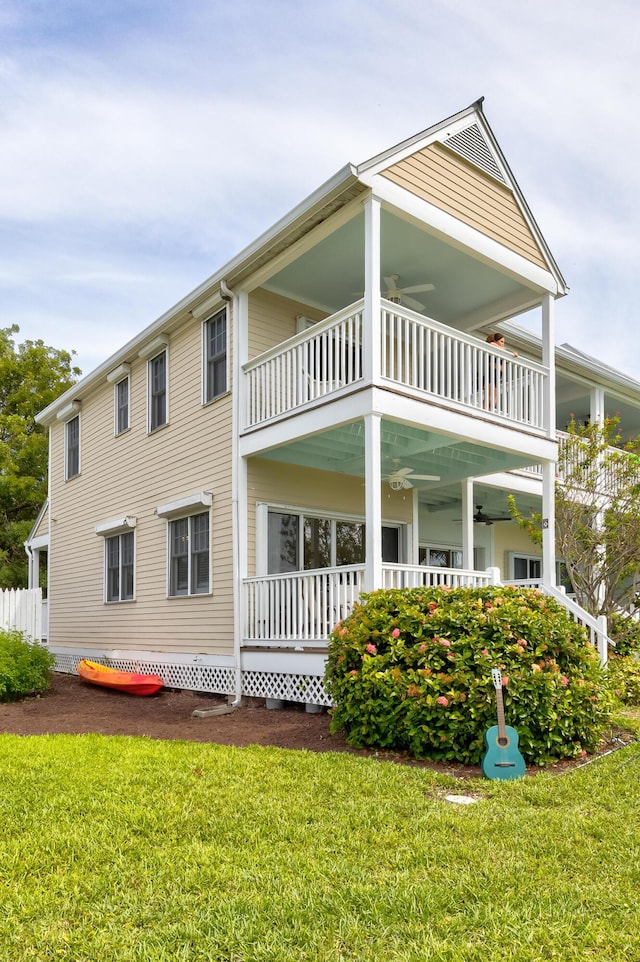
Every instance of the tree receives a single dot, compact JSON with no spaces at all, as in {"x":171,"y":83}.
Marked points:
{"x":597,"y":502}
{"x":32,"y":375}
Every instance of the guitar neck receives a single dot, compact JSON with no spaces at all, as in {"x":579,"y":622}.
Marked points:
{"x":502,"y":734}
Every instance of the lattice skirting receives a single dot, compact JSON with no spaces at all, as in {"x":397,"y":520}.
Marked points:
{"x":305,"y":689}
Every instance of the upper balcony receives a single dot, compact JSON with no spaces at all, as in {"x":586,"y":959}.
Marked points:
{"x":418,"y":357}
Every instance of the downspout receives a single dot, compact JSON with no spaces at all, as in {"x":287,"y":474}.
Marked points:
{"x":30,"y":563}
{"x":227,"y":295}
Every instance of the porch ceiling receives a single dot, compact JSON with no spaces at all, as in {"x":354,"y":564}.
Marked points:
{"x":342,"y":450}
{"x":331,"y":275}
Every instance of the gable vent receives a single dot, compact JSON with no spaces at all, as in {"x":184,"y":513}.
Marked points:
{"x":471,"y":145}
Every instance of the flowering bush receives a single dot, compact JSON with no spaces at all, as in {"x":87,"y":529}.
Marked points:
{"x":624,"y":678}
{"x":625,"y":632}
{"x":411,"y":670}
{"x":24,"y":667}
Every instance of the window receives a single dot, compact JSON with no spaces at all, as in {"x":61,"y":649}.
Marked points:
{"x":121,"y":395}
{"x":215,"y":356}
{"x":299,"y":542}
{"x":72,"y":447}
{"x":441,"y":557}
{"x":529,"y":568}
{"x":189,"y":555}
{"x":157,"y":371}
{"x":119,"y":567}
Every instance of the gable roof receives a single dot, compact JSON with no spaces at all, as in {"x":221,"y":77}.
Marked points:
{"x":458,"y":166}
{"x":464,"y":139}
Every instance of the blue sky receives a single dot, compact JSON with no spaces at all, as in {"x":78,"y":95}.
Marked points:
{"x":144,"y":144}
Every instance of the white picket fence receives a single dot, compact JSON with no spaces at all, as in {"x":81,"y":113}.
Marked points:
{"x":21,"y":608}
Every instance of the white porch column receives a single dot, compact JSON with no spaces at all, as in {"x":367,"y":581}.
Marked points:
{"x":414,"y":553}
{"x":549,"y":523}
{"x":373,"y":502}
{"x":596,"y":406}
{"x":549,"y":361}
{"x":467,"y":524}
{"x":371,"y":333}
{"x":239,"y":501}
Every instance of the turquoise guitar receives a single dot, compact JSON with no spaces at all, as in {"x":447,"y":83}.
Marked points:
{"x":502,"y":758}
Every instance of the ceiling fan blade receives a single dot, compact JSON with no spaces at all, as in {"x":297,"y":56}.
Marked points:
{"x":411,"y":302}
{"x":391,"y":281}
{"x":418,"y":288}
{"x":424,"y":477}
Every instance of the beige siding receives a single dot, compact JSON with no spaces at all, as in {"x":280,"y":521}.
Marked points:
{"x":509,"y":538}
{"x":439,"y":176}
{"x":42,"y":527}
{"x":272,"y":319}
{"x":133,"y":474}
{"x":274,"y":482}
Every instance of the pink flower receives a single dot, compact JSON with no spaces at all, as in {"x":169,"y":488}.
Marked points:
{"x":371,"y":649}
{"x":343,"y":632}
{"x":353,"y":672}
{"x":564,"y":680}
{"x":442,"y":701}
{"x":395,"y":633}
{"x":485,"y":651}
{"x":445,"y":642}
{"x":422,"y":648}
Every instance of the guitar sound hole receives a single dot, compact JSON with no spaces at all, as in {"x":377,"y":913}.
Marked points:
{"x":503,"y":742}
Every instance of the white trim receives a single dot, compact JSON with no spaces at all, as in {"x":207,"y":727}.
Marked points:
{"x":116,"y":526}
{"x":211,"y":306}
{"x":163,"y":349}
{"x":69,"y":412}
{"x":42,"y":541}
{"x":204,"y":383}
{"x":191,"y":504}
{"x":119,"y":373}
{"x":116,"y":384}
{"x":458,"y":234}
{"x":105,"y":565}
{"x":156,"y":346}
{"x":67,"y":476}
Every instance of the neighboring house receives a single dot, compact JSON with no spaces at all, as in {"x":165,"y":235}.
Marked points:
{"x":322,"y":416}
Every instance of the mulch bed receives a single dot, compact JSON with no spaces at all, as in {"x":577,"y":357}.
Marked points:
{"x":72,"y":707}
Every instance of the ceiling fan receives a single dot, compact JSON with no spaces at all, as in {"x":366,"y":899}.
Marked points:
{"x":401,"y":478}
{"x":481,"y":518}
{"x":399,"y":295}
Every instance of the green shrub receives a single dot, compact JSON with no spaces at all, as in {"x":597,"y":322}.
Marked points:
{"x":411,"y":670}
{"x":624,"y":678}
{"x":24,"y":667}
{"x":625,"y":632}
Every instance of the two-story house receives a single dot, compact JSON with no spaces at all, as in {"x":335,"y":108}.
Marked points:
{"x":323,"y":416}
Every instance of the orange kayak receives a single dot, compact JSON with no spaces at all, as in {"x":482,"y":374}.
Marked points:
{"x":134,"y":684}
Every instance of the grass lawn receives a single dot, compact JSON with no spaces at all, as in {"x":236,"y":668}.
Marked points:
{"x":131,"y":849}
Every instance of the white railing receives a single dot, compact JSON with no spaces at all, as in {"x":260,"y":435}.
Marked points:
{"x":605,"y":472}
{"x":429,"y":357}
{"x":423,"y":576}
{"x":302,"y":606}
{"x":21,"y":608}
{"x":596,"y":627}
{"x":416,"y":352}
{"x":306,"y":367}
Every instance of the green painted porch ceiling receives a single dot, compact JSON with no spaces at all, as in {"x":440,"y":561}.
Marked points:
{"x":331,"y":275}
{"x":342,"y":450}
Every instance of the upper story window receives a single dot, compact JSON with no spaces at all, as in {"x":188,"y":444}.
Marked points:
{"x":121,"y":398}
{"x":157,"y":373}
{"x":72,"y":447}
{"x":215,"y":355}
